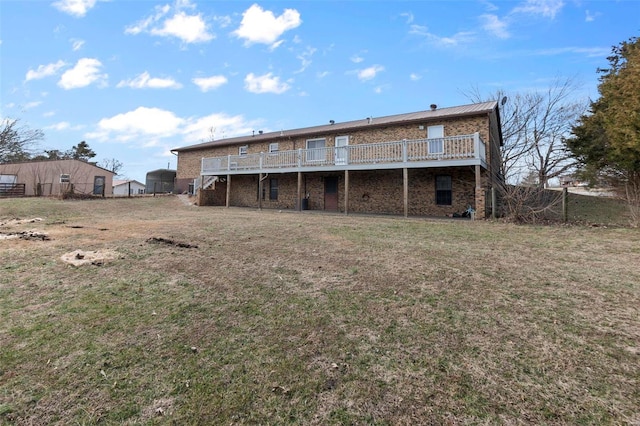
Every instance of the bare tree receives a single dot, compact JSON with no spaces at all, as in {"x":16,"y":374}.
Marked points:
{"x":112,"y":164}
{"x":553,"y":115}
{"x":16,"y":140}
{"x":534,"y":128}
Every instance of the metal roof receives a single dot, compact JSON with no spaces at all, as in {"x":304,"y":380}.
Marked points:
{"x":431,"y":114}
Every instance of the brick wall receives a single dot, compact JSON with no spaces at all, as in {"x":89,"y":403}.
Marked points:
{"x":378,"y":192}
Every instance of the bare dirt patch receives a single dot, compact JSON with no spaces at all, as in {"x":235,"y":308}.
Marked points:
{"x":14,"y":222}
{"x":82,"y":257}
{"x":170,"y":242}
{"x":24,"y":235}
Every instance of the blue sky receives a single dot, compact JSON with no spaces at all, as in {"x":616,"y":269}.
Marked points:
{"x":137,"y":78}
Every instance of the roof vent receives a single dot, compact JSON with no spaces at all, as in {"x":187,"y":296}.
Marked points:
{"x":369,"y":120}
{"x":433,"y":107}
{"x":332,"y":122}
{"x":260,"y":131}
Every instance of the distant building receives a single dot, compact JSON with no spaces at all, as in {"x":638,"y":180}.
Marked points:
{"x":57,"y":177}
{"x":160,"y":181}
{"x":127,"y":188}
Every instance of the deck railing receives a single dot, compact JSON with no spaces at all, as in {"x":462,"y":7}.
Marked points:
{"x":405,"y":151}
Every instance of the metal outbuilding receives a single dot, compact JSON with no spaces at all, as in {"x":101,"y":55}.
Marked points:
{"x":160,"y":181}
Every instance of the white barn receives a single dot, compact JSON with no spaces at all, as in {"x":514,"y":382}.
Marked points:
{"x":123,"y":188}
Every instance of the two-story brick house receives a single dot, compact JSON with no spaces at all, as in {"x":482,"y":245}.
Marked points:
{"x":436,"y":162}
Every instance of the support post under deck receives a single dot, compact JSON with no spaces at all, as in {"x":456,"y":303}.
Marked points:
{"x":228,"y":190}
{"x":346,"y":192}
{"x":405,"y":191}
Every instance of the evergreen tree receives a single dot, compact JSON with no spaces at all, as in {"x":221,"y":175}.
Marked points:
{"x":607,"y":139}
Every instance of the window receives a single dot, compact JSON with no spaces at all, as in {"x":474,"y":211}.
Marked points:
{"x":65,"y":178}
{"x":243,"y":150}
{"x":435,"y":135}
{"x":273,"y":147}
{"x":443,"y":190}
{"x":273,"y":189}
{"x":315,"y":150}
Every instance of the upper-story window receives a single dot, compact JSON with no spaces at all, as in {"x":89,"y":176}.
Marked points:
{"x":315,"y":150}
{"x":273,"y":147}
{"x":435,"y":135}
{"x":243,"y":150}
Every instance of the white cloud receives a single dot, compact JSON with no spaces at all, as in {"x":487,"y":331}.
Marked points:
{"x":187,"y":27}
{"x":49,"y":114}
{"x":546,"y":8}
{"x":63,"y":125}
{"x":222,"y":21}
{"x":30,"y":105}
{"x":590,"y":17}
{"x":218,"y":125}
{"x":265,"y":84}
{"x":408,"y":16}
{"x":493,"y":24}
{"x":210,"y":83}
{"x":146,"y":127}
{"x":414,"y":77}
{"x":144,"y":80}
{"x":85,"y":72}
{"x":44,"y":71}
{"x":443,"y":42}
{"x":489,"y":6}
{"x":322,"y":74}
{"x":356,"y":59}
{"x":590,"y":52}
{"x":369,"y":73}
{"x":76,"y":44}
{"x":77,"y":8}
{"x":305,"y":58}
{"x":143,"y":121}
{"x":260,"y":26}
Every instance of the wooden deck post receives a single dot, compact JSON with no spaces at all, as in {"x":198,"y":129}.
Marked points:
{"x":479,"y":195}
{"x":405,"y":190}
{"x":299,"y":199}
{"x":346,"y":192}
{"x":228,"y":190}
{"x":260,"y":191}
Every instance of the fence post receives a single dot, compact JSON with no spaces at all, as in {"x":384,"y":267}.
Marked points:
{"x":565,"y":204}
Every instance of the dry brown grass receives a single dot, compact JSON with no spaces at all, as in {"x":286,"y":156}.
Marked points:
{"x":278,"y":318}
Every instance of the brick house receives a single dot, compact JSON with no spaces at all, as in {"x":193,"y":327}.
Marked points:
{"x":436,"y":162}
{"x":56,"y":177}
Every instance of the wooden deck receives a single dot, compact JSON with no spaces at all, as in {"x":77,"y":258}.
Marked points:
{"x":451,"y":151}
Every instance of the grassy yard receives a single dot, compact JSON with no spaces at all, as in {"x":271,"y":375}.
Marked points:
{"x":234,"y":316}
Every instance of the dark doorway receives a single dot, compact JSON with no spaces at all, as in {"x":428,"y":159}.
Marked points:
{"x":331,"y":193}
{"x":98,"y":185}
